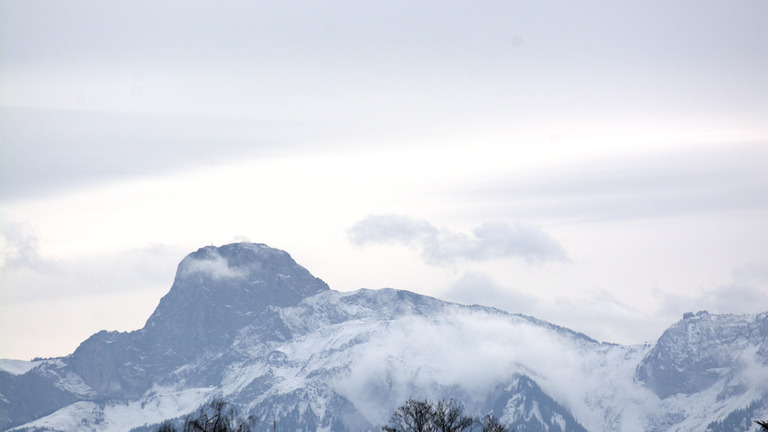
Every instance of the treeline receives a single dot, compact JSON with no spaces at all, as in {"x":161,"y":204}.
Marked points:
{"x":413,"y":416}
{"x":443,"y":416}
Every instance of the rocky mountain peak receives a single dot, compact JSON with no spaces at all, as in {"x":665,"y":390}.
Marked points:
{"x":246,"y":323}
{"x":218,"y":290}
{"x":691,"y":355}
{"x":244,"y":264}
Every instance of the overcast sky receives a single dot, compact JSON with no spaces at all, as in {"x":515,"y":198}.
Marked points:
{"x":600,"y":165}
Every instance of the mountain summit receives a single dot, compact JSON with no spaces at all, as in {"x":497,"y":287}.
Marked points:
{"x":218,"y":289}
{"x":246,"y":323}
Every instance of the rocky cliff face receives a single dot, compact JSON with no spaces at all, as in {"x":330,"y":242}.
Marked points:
{"x":703,"y":349}
{"x":216,"y":291}
{"x":244,"y":322}
{"x":220,"y":289}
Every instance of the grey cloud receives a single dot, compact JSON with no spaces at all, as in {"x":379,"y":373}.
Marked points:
{"x":480,"y":288}
{"x":38,"y":277}
{"x":179,"y":33}
{"x":494,"y":240}
{"x":751,"y":273}
{"x":744,"y":294}
{"x":20,"y":249}
{"x":693,"y":181}
{"x":588,"y":317}
{"x":735,"y":299}
{"x":50,"y":150}
{"x":390,"y":229}
{"x":402,"y":63}
{"x":441,"y":246}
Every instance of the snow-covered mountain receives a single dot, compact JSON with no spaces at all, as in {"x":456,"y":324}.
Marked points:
{"x":245,"y":323}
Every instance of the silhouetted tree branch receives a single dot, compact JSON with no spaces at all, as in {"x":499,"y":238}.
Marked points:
{"x":413,"y":416}
{"x":492,"y":424}
{"x":449,"y":417}
{"x":424,"y":416}
{"x":218,"y":416}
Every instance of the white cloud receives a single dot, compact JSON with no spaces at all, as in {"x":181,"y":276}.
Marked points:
{"x":587,"y":313}
{"x":745,"y":293}
{"x":491,"y":240}
{"x":20,"y":249}
{"x":475,"y":350}
{"x":240,"y":239}
{"x":600,"y":314}
{"x":390,"y":228}
{"x":480,"y":288}
{"x":214,"y":266}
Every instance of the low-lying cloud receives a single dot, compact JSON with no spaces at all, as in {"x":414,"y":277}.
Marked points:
{"x":588,"y":316}
{"x":491,"y":240}
{"x":215,"y":266}
{"x":474,"y":350}
{"x":20,"y":249}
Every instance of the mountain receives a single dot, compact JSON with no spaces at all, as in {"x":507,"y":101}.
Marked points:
{"x":246,"y":323}
{"x":216,"y":291}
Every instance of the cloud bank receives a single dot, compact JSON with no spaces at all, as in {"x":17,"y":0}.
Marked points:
{"x":491,"y":240}
{"x":487,"y":355}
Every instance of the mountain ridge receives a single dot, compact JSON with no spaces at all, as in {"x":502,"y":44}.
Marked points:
{"x":247,"y":323}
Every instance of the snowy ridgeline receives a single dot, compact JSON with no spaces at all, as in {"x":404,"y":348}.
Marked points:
{"x":247,"y":324}
{"x":17,"y":367}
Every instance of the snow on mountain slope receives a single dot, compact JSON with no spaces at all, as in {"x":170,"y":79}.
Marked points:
{"x":122,"y":416}
{"x":17,"y":367}
{"x":275,"y":341}
{"x":702,"y":348}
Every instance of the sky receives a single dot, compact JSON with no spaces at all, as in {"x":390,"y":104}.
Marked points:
{"x":599,"y":165}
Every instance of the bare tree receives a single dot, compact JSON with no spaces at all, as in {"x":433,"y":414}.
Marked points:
{"x":762,"y":424}
{"x":424,"y":416}
{"x":449,"y":417}
{"x":218,"y":416}
{"x":492,"y":424}
{"x":413,"y":416}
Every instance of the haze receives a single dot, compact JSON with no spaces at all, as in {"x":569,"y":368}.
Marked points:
{"x":598,"y":165}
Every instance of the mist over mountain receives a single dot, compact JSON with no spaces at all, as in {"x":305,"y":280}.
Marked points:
{"x":246,"y":323}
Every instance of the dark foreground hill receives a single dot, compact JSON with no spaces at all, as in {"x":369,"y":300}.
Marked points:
{"x":245,"y":323}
